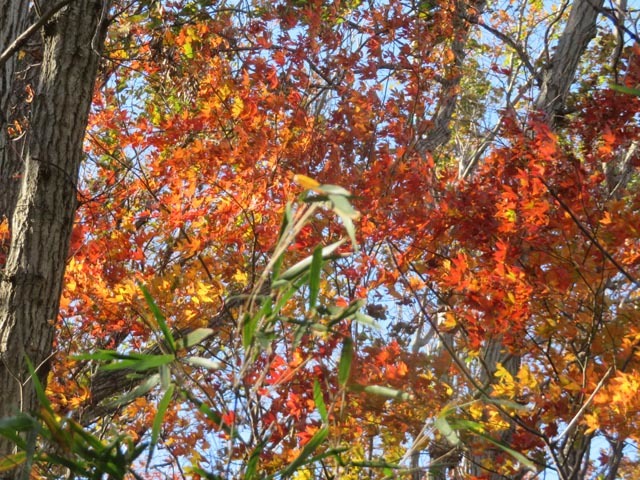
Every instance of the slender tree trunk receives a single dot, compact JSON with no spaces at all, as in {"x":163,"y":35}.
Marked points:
{"x":13,"y":21}
{"x":45,"y":198}
{"x":557,"y":77}
{"x":559,"y":74}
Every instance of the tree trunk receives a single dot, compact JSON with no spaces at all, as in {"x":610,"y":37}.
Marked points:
{"x":560,"y":73}
{"x":45,"y":199}
{"x":557,"y":78}
{"x":13,"y":20}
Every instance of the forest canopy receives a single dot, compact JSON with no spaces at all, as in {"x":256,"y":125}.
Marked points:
{"x":319,"y":239}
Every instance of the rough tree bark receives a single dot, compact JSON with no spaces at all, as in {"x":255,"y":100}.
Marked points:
{"x":41,"y":208}
{"x":557,"y":77}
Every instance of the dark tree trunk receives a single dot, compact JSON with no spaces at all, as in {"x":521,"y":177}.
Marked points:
{"x":42,"y":206}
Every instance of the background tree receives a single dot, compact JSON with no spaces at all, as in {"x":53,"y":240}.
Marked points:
{"x":496,"y":173}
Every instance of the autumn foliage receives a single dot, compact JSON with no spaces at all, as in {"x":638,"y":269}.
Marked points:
{"x":485,"y":320}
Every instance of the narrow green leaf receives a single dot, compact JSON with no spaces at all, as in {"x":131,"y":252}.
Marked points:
{"x":343,"y":207}
{"x":347,"y":214}
{"x":387,"y":392}
{"x":306,"y":452}
{"x":249,"y":329}
{"x":194,"y":338}
{"x":286,"y":221}
{"x":507,"y":403}
{"x":140,"y":364}
{"x":252,"y":465}
{"x":103,"y":356}
{"x":366,"y":320}
{"x":12,"y":461}
{"x":478,"y":429}
{"x":163,"y":404}
{"x":446,"y":431}
{"x":165,"y":376}
{"x":334,"y":190}
{"x":18,"y":423}
{"x":37,"y":385}
{"x":204,"y":362}
{"x":349,"y":311}
{"x":32,"y":437}
{"x":160,"y":319}
{"x":624,"y":89}
{"x":13,"y":428}
{"x":344,"y":366}
{"x":139,"y":391}
{"x":206,"y":475}
{"x":314,"y":277}
{"x":318,"y":399}
{"x":303,"y":265}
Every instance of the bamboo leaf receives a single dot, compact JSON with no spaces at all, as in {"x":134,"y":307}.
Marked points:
{"x":194,"y":338}
{"x":306,"y":452}
{"x":160,"y":319}
{"x":303,"y":265}
{"x":204,"y":362}
{"x":140,"y":364}
{"x":314,"y":277}
{"x":318,"y":399}
{"x":12,"y":461}
{"x":163,"y":405}
{"x":142,"y":389}
{"x":346,"y":357}
{"x":445,"y":429}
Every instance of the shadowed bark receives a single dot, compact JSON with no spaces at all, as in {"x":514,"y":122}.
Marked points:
{"x":42,"y":176}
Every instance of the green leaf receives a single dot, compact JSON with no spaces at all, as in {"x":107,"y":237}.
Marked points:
{"x":103,"y":356}
{"x":387,"y":392}
{"x":194,"y":338}
{"x":139,"y":391}
{"x":344,"y":366}
{"x":318,"y":399}
{"x":163,"y":404}
{"x":343,"y":207}
{"x":382,"y":391}
{"x":160,"y":319}
{"x":303,"y":265}
{"x":188,"y":50}
{"x":249,"y":329}
{"x":349,"y":311}
{"x":10,"y":428}
{"x":623,"y":89}
{"x":165,"y":376}
{"x":37,"y":385}
{"x":334,"y":190}
{"x":12,"y":461}
{"x":306,"y":452}
{"x":366,"y":320}
{"x":314,"y":277}
{"x":445,"y":429}
{"x":286,"y":221}
{"x":252,"y":465}
{"x":478,"y":429}
{"x":141,"y":363}
{"x":347,"y":214}
{"x":204,"y":362}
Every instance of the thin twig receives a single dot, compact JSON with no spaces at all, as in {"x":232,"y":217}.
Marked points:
{"x":588,"y":234}
{"x":585,"y":405}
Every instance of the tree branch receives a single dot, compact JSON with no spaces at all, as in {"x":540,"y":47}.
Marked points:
{"x":24,"y":36}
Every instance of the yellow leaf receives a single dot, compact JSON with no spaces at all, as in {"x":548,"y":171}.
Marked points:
{"x":306,"y":182}
{"x":237,"y":108}
{"x":526,"y":379}
{"x":240,"y":276}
